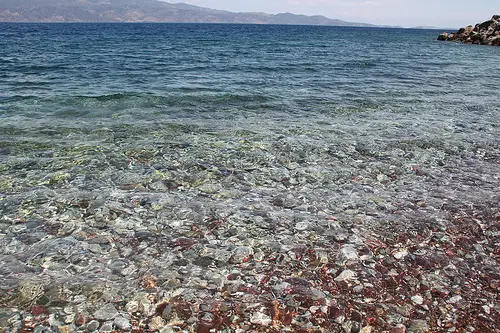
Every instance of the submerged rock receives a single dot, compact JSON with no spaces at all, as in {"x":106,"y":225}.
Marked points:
{"x":107,"y":312}
{"x":306,"y":231}
{"x":260,"y":319}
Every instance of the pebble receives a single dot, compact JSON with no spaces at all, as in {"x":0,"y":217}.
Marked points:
{"x":418,"y":326}
{"x":401,"y":254}
{"x":400,"y":328}
{"x":241,"y":254}
{"x":93,"y":325}
{"x":106,"y":328}
{"x":349,"y":252}
{"x":358,"y":289}
{"x":321,"y":258}
{"x":209,"y":188}
{"x":168,"y":329}
{"x":122,"y":323}
{"x":346,"y":275}
{"x":107,"y":312}
{"x":216,"y":254}
{"x":351,"y":326}
{"x":366,"y":329}
{"x":302,"y":226}
{"x":455,"y":299}
{"x":156,"y":323}
{"x":64,"y":329}
{"x":259,"y":318}
{"x":417,"y":299}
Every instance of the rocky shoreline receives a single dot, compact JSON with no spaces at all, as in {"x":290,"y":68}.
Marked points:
{"x":486,"y":33}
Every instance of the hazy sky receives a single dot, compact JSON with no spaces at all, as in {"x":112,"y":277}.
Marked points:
{"x":407,"y":13}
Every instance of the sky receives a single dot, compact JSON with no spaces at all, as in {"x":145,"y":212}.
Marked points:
{"x":406,"y":13}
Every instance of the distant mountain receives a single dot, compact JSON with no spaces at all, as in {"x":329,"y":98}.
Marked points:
{"x":144,"y":11}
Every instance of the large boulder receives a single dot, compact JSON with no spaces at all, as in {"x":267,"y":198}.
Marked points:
{"x":486,"y":33}
{"x":443,"y":36}
{"x":494,"y":41}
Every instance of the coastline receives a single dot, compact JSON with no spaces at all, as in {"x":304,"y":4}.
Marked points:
{"x":263,"y":181}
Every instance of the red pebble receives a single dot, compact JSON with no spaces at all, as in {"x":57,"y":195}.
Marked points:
{"x":399,"y":329}
{"x":38,"y":310}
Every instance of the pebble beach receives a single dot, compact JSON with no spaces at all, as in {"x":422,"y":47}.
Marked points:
{"x":378,"y":212}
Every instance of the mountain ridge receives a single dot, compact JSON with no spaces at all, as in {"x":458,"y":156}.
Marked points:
{"x":147,"y":11}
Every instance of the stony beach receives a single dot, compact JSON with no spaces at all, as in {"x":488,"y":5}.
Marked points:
{"x":159,"y":178}
{"x":250,"y":225}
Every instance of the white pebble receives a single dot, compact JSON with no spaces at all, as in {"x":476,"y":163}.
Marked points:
{"x":401,"y":254}
{"x":346,"y":275}
{"x":417,"y":299}
{"x":260,"y":318}
{"x":455,"y":299}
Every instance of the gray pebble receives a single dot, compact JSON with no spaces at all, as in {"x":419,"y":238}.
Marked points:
{"x":107,"y":312}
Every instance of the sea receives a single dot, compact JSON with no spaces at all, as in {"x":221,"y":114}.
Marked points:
{"x":116,"y":89}
{"x":161,"y":148}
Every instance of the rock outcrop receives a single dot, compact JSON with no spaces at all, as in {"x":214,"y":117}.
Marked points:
{"x":486,"y":33}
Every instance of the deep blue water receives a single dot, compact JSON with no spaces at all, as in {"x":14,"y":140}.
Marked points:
{"x":95,"y":70}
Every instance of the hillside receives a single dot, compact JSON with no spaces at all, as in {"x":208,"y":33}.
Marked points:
{"x":143,"y":11}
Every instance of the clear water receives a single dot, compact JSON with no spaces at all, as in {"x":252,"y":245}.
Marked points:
{"x":246,"y":134}
{"x":81,"y":71}
{"x":104,"y":92}
{"x":65,"y":85}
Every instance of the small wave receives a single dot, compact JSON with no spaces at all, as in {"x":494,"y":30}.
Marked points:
{"x":105,"y":98}
{"x":132,"y":103}
{"x":360,"y":64}
{"x":157,"y":100}
{"x":17,"y":98}
{"x":5,"y":60}
{"x":41,"y":68}
{"x":71,"y":113}
{"x":196,"y":89}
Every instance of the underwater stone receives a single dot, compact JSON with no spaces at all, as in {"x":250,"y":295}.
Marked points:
{"x":122,"y":323}
{"x":418,"y":326}
{"x":216,"y":254}
{"x":260,"y":318}
{"x":346,"y":275}
{"x":241,"y":254}
{"x":93,"y":325}
{"x":349,"y":252}
{"x":106,"y":328}
{"x":107,"y":312}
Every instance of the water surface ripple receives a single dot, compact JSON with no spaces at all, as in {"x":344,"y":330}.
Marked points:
{"x":163,"y":159}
